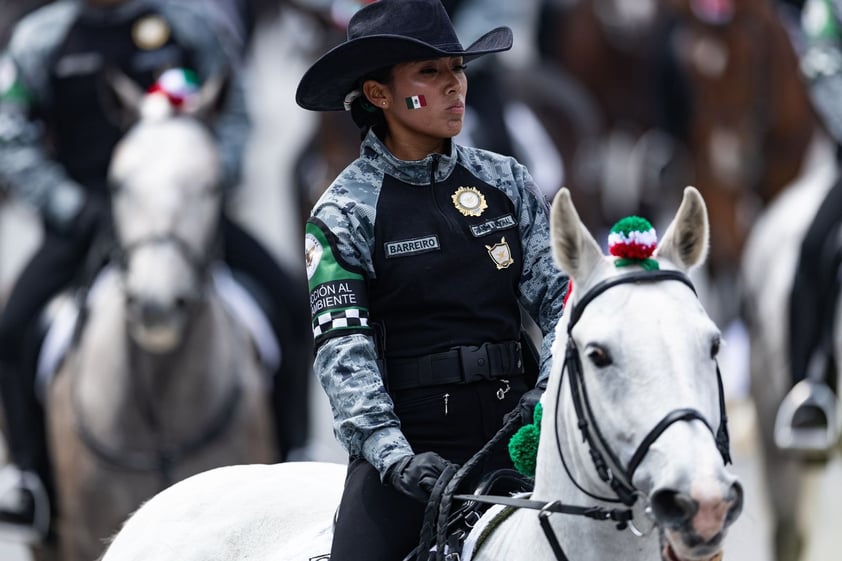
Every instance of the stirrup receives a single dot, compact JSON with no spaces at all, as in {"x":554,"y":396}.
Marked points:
{"x":12,"y":482}
{"x":808,"y":440}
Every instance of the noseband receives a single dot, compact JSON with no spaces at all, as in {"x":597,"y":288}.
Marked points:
{"x":587,"y":421}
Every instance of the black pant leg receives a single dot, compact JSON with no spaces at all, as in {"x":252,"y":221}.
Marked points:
{"x":51,"y":268}
{"x":290,"y":318}
{"x":375,"y":522}
{"x":813,"y":285}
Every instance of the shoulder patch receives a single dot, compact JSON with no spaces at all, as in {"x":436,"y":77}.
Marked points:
{"x":11,"y":88}
{"x":338,"y":295}
{"x":818,"y":20}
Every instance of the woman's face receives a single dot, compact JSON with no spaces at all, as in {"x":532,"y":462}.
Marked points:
{"x":424,"y":101}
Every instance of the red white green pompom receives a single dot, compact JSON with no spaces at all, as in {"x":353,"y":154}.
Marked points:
{"x":179,"y":85}
{"x":633,"y":241}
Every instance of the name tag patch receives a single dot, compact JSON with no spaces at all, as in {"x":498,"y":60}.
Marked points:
{"x":493,"y":225}
{"x":414,"y":246}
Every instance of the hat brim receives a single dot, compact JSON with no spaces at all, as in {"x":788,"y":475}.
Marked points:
{"x":326,"y":83}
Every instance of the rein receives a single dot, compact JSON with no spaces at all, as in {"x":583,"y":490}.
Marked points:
{"x":598,"y":446}
{"x":164,"y":458}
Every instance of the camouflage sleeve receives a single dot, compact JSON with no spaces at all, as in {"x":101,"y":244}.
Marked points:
{"x":821,"y":62}
{"x":25,"y":167}
{"x":214,"y":56}
{"x":346,"y":357}
{"x":542,"y":284}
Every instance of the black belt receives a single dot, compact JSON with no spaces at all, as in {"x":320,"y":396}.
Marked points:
{"x":459,"y":365}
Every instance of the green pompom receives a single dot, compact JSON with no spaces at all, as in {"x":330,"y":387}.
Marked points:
{"x":523,"y":449}
{"x":523,"y":446}
{"x":631,"y":224}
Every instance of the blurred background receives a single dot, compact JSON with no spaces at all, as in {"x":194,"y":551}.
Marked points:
{"x":625,"y":102}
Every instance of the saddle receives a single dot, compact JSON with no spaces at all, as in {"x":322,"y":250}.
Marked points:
{"x":446,"y":528}
{"x":466,"y":518}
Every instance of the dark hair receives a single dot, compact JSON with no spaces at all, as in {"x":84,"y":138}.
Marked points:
{"x":365,"y":114}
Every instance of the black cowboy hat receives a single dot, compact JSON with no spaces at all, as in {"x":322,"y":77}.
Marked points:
{"x":383,"y":34}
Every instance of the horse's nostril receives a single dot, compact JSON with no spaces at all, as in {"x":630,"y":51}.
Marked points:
{"x":672,"y":509}
{"x":735,"y":496}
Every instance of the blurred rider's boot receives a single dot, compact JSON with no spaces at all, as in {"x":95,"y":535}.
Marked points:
{"x":24,"y":506}
{"x":25,"y":491}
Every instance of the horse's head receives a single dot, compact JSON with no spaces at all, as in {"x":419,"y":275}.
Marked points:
{"x":640,"y":381}
{"x":166,"y":177}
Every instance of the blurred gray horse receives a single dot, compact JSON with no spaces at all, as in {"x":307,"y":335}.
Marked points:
{"x":163,"y":381}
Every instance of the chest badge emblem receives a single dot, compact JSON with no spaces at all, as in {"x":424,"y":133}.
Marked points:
{"x":469,"y":201}
{"x":151,"y":32}
{"x":500,"y":254}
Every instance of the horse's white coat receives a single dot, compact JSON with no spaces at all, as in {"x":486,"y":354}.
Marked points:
{"x":282,"y":511}
{"x":660,"y":340}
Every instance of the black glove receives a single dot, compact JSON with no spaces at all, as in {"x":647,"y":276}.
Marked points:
{"x":416,"y":475}
{"x":529,"y":400}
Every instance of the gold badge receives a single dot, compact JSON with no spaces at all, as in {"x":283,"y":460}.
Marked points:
{"x":469,"y":201}
{"x":150,"y":32}
{"x":500,"y":254}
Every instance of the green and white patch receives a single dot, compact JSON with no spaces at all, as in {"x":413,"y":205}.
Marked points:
{"x":338,"y":296}
{"x":10,"y":87}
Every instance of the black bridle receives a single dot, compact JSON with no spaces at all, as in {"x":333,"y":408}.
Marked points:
{"x":199,"y":262}
{"x":620,"y":478}
{"x":612,"y":472}
{"x":163,"y":459}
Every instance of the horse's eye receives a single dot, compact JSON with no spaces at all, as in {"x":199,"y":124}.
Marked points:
{"x":714,"y":347}
{"x":599,"y":356}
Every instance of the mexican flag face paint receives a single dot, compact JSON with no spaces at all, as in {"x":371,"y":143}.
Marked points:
{"x":416,"y":102}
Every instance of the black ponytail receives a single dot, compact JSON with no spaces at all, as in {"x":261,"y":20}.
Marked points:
{"x":365,"y":114}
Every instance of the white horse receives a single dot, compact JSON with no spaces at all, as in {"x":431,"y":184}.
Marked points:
{"x":641,"y":370}
{"x":163,"y":381}
{"x":806,"y":499}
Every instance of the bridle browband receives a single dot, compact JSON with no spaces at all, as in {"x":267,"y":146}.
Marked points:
{"x":199,"y":263}
{"x":597,"y":444}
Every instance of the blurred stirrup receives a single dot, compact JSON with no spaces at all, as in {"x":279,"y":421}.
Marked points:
{"x":808,"y":420}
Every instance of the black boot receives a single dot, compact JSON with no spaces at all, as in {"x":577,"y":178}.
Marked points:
{"x":25,"y":484}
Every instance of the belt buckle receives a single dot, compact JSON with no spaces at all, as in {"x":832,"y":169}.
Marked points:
{"x":475,"y":363}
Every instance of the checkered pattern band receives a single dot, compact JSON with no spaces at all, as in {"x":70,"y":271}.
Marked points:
{"x":352,"y":317}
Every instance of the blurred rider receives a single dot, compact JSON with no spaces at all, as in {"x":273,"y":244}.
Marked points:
{"x":58,"y":126}
{"x":810,"y":411}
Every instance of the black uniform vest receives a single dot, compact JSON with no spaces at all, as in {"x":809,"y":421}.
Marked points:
{"x":461,"y":272}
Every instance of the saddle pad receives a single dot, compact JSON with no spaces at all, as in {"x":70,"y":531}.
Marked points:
{"x":247,"y":311}
{"x":480,"y":531}
{"x":237,"y":299}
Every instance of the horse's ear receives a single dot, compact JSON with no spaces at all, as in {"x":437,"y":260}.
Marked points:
{"x":212,"y":97}
{"x":574,"y":248}
{"x":127,"y":97}
{"x":686,"y":240}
